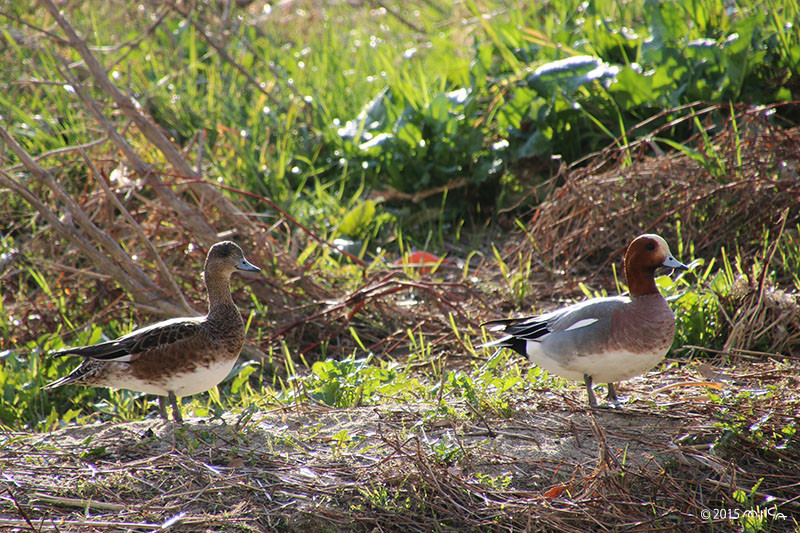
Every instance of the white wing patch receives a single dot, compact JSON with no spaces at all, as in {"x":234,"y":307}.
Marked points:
{"x":582,"y":323}
{"x":127,"y":358}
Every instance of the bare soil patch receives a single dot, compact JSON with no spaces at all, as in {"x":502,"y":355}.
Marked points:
{"x":672,"y":452}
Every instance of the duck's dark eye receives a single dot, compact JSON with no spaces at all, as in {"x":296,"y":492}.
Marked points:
{"x":650,"y":246}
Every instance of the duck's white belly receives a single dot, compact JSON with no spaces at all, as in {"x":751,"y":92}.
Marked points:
{"x":607,"y":367}
{"x":200,"y":379}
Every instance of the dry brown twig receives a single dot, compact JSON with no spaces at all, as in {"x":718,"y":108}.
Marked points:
{"x":118,"y":265}
{"x":752,"y":318}
{"x":154,"y":255}
{"x":230,"y":213}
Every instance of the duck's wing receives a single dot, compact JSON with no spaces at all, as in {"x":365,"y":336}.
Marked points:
{"x":578,"y":320}
{"x":128,"y":347}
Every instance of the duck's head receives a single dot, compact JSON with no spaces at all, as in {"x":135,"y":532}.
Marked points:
{"x":644,"y":255}
{"x":226,"y":257}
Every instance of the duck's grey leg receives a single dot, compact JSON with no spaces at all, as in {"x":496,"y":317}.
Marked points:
{"x":612,"y":393}
{"x":176,"y":411}
{"x":588,"y":380}
{"x":162,"y":407}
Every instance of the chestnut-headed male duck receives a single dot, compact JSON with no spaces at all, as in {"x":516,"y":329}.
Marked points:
{"x":177,"y":357}
{"x":602,"y":339}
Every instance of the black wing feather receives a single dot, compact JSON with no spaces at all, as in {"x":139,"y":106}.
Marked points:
{"x":104,"y":350}
{"x":527,"y":328}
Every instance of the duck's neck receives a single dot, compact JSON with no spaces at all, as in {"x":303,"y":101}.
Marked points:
{"x":641,"y":281}
{"x":219,"y":292}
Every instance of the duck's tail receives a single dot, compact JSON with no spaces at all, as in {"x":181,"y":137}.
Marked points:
{"x":77,"y":376}
{"x":517,"y":333}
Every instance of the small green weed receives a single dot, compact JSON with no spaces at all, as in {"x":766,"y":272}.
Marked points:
{"x":352,"y":382}
{"x":499,"y":482}
{"x":517,"y":280}
{"x":446,"y":449}
{"x":383,"y":497}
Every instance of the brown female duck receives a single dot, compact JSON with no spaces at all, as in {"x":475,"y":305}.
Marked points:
{"x":176,"y":357}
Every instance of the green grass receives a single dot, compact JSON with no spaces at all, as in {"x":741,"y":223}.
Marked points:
{"x":434,"y":105}
{"x":362,"y":103}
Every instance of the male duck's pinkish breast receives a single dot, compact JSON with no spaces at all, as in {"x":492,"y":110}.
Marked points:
{"x":645,"y":325}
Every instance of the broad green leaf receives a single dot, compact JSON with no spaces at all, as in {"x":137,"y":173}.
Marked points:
{"x":357,"y":219}
{"x":537,"y":144}
{"x":632,"y":89}
{"x":569,"y":74}
{"x":516,"y":109}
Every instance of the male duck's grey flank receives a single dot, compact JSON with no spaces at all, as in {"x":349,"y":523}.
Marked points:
{"x":176,"y":357}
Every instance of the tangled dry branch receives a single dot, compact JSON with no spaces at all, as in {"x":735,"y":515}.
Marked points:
{"x":747,"y":172}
